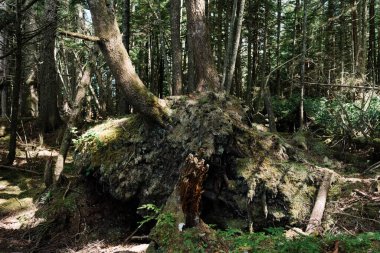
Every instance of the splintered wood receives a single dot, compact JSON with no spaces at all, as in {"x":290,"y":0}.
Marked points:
{"x":190,"y":184}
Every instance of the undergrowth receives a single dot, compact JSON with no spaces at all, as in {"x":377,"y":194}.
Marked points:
{"x":274,"y":240}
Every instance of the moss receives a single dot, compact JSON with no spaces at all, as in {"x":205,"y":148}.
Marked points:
{"x":299,"y":139}
{"x":104,"y":143}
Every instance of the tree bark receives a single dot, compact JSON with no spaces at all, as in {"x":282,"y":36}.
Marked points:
{"x":303,"y":59}
{"x":48,"y":112}
{"x":233,"y":44}
{"x":319,"y":207}
{"x":117,"y":58}
{"x":372,"y":41}
{"x":175,"y":20}
{"x":73,"y":122}
{"x":16,"y":87}
{"x":206,"y":75}
{"x":278,"y":53}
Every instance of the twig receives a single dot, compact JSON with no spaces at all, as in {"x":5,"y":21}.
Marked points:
{"x":372,"y":167}
{"x":67,"y":190}
{"x":80,"y":36}
{"x":355,"y":216}
{"x":18,"y":201}
{"x":20,"y":169}
{"x":346,"y":86}
{"x":140,"y":238}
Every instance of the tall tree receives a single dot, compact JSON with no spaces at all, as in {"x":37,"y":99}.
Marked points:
{"x":278,"y":53}
{"x":303,"y":61}
{"x":17,"y":84}
{"x":175,"y":20}
{"x":372,"y":41}
{"x":233,"y":44}
{"x":48,"y":112}
{"x":117,"y":58}
{"x":122,"y":103}
{"x":206,"y":75}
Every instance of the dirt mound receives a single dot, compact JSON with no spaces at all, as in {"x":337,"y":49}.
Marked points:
{"x":250,"y":174}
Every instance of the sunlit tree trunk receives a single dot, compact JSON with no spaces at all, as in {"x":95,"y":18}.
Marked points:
{"x":175,"y":19}
{"x":233,"y":44}
{"x":117,"y":58}
{"x":206,"y":75}
{"x":80,"y":95}
{"x":372,"y":41}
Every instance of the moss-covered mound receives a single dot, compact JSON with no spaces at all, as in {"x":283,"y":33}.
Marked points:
{"x":255,"y":179}
{"x":250,"y":180}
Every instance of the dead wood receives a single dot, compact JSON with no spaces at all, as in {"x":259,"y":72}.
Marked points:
{"x":190,"y":188}
{"x":320,"y":203}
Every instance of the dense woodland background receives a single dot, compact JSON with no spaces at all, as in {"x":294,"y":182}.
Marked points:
{"x":301,"y":68}
{"x":287,"y":49}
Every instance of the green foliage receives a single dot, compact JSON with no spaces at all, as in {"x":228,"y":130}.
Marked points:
{"x":89,"y":136}
{"x":338,"y":117}
{"x":155,"y":212}
{"x":343,"y":118}
{"x":274,"y":240}
{"x":286,"y":109}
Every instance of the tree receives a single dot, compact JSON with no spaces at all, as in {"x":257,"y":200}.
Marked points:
{"x":175,"y":18}
{"x":303,"y":61}
{"x":233,"y":44}
{"x":206,"y":75}
{"x":17,"y":84}
{"x":49,"y":117}
{"x":111,"y":45}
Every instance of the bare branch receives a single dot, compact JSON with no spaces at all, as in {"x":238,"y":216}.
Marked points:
{"x":79,"y":36}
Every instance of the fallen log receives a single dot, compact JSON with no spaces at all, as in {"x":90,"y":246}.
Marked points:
{"x":315,"y":221}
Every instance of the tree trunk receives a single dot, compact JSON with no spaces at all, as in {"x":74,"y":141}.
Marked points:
{"x":4,"y":98}
{"x":48,"y":112}
{"x":372,"y":41}
{"x":233,"y":44}
{"x":16,"y":87}
{"x":278,"y":53}
{"x":320,"y":203}
{"x":329,"y":43}
{"x":73,"y":122}
{"x":303,"y":60}
{"x":354,"y":17}
{"x":206,"y":76}
{"x":106,"y":28}
{"x":175,"y":19}
{"x":362,"y":53}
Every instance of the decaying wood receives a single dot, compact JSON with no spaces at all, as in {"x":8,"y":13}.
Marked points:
{"x":190,"y":188}
{"x":320,"y":203}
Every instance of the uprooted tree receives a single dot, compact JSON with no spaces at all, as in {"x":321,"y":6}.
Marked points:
{"x":238,"y":176}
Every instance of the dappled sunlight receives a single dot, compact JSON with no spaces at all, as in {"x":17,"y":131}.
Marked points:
{"x":14,"y":204}
{"x":21,"y":219}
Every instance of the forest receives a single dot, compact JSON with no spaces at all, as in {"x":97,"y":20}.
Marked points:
{"x":190,"y":126}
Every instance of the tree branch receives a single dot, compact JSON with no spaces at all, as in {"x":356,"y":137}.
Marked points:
{"x":79,"y":36}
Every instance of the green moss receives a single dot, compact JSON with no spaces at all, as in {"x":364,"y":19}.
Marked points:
{"x":104,"y":143}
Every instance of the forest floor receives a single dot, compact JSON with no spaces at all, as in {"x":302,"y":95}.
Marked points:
{"x":78,"y":217}
{"x":33,"y":219}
